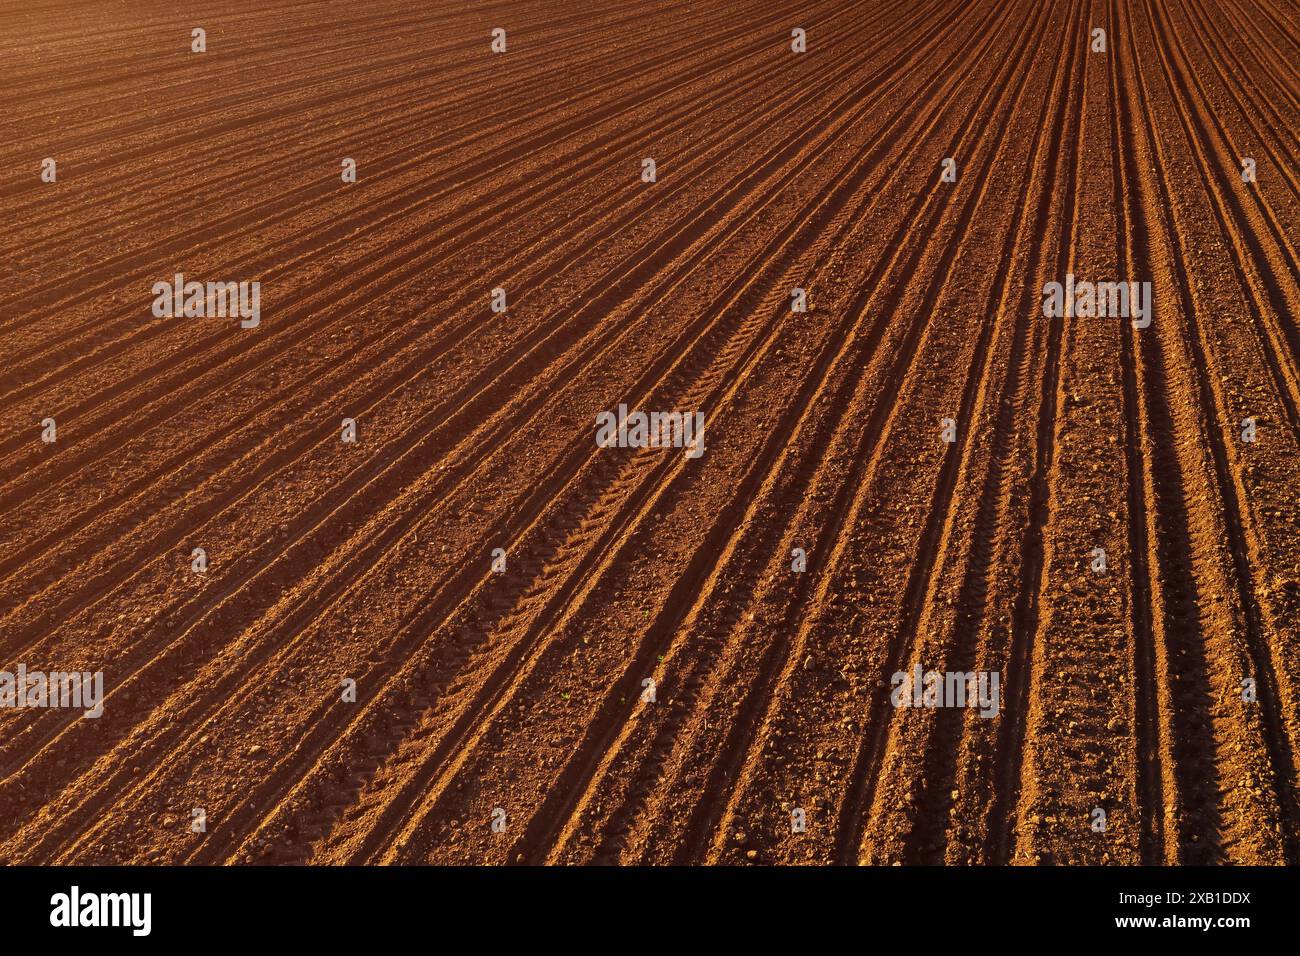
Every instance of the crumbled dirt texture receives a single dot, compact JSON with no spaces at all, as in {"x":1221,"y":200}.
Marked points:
{"x":1120,"y":690}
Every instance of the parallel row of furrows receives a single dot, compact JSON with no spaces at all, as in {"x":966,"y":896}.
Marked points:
{"x":246,"y":183}
{"x":578,"y":550}
{"x":1247,"y":55}
{"x":1262,"y":253}
{"x":154,"y":59}
{"x":859,"y":92}
{"x":613,"y":664}
{"x":524,"y":166}
{"x":564,"y":562}
{"x":1263,"y":89}
{"x":875,"y":782}
{"x":608,"y":819}
{"x":1190,"y":798}
{"x":545,"y":568}
{"x":384,"y":137}
{"x":1267,"y":492}
{"x":798,"y":678}
{"x":341,"y":360}
{"x":1183,"y":690}
{"x":523,"y":689}
{"x":1273,"y":302}
{"x":256,"y":427}
{"x":1018,"y":673}
{"x":700,"y":833}
{"x":970,"y":561}
{"x":311,"y":64}
{"x":1194,"y":741}
{"x":688,"y":649}
{"x":67,"y":65}
{"x":251,"y":428}
{"x":1257,"y":802}
{"x":689,"y":162}
{"x":1283,"y":32}
{"x":1156,"y":787}
{"x":664,"y":247}
{"x":81,"y":62}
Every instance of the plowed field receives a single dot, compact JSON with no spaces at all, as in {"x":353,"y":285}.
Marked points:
{"x":482,"y":633}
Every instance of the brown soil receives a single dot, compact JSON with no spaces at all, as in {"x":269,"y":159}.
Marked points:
{"x":524,"y":690}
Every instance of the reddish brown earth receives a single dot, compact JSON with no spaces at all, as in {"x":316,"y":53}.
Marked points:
{"x":523,"y":690}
